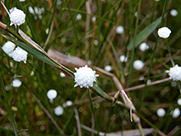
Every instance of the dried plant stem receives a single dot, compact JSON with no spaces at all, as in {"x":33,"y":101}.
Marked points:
{"x":113,"y":34}
{"x":78,"y":121}
{"x":48,"y":114}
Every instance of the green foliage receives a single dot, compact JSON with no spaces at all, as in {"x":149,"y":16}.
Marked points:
{"x":26,"y":110}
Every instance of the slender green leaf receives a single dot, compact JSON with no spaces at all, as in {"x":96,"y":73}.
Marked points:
{"x":8,"y":106}
{"x":144,"y":34}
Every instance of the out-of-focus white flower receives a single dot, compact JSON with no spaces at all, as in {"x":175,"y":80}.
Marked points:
{"x":52,"y":94}
{"x":148,"y":81}
{"x":19,"y":55}
{"x":136,"y":14}
{"x":89,"y":62}
{"x":17,"y":17}
{"x":47,"y":31}
{"x":143,"y":46}
{"x":36,"y":11}
{"x":62,"y":74}
{"x":174,"y":73}
{"x":16,"y":83}
{"x":108,"y":68}
{"x":176,"y":113}
{"x":119,"y":29}
{"x":123,"y":58}
{"x":32,"y":73}
{"x":58,"y":110}
{"x":96,"y":42}
{"x":173,"y":84}
{"x":164,"y":32}
{"x":84,"y":77}
{"x":141,"y":78}
{"x":21,"y":0}
{"x":93,"y":19}
{"x":68,"y":103}
{"x":161,"y":112}
{"x":138,"y":64}
{"x":59,"y":2}
{"x":8,"y":87}
{"x":179,"y":101}
{"x":8,"y":47}
{"x":78,"y":17}
{"x":173,"y":12}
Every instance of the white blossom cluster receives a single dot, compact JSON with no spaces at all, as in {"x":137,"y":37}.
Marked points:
{"x":17,"y":17}
{"x":164,"y":32}
{"x":84,"y":77}
{"x":174,"y":73}
{"x":17,"y":54}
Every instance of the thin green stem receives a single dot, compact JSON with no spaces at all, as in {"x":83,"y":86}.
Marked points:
{"x":8,"y":106}
{"x":170,"y":55}
{"x":152,"y":57}
{"x":135,"y":33}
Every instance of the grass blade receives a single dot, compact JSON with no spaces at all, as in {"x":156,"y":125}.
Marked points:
{"x":144,"y":34}
{"x":8,"y":106}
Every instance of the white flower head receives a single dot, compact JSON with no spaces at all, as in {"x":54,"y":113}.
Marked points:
{"x":62,"y":74}
{"x":78,"y":17}
{"x":164,"y":32}
{"x":176,"y":113}
{"x":58,"y":110}
{"x":161,"y":112}
{"x":16,"y":83}
{"x":174,"y":73}
{"x":8,"y":47}
{"x":108,"y":68}
{"x":19,"y":55}
{"x":179,"y":101}
{"x":17,"y":16}
{"x":84,"y":77}
{"x":52,"y":94}
{"x":68,"y":103}
{"x":143,"y":46}
{"x":96,"y":42}
{"x":21,"y":0}
{"x":173,"y":12}
{"x":119,"y":30}
{"x":138,"y":64}
{"x":123,"y":58}
{"x":93,"y":19}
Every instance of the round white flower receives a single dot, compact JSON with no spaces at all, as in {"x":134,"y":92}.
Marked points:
{"x":84,"y":77}
{"x":78,"y":17}
{"x":138,"y":64}
{"x":174,"y":73}
{"x":21,"y":0}
{"x":176,"y":113}
{"x":19,"y":55}
{"x":143,"y":46}
{"x":16,"y":83}
{"x":96,"y":42}
{"x":123,"y":58}
{"x":52,"y":94}
{"x":93,"y":19}
{"x":62,"y":74}
{"x":164,"y":32}
{"x":119,"y":29}
{"x":8,"y":47}
{"x":68,"y":103}
{"x":17,"y":16}
{"x":173,"y":12}
{"x":108,"y":68}
{"x":179,"y":101}
{"x":161,"y":112}
{"x":58,"y":110}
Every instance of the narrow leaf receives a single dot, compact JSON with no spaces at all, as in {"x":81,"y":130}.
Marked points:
{"x":144,"y":34}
